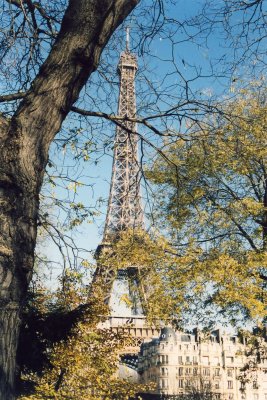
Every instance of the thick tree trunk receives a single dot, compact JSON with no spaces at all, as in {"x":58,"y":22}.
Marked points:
{"x":24,"y":144}
{"x":18,"y":222}
{"x":9,"y":329}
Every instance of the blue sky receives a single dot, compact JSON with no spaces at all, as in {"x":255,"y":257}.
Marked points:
{"x":165,"y":66}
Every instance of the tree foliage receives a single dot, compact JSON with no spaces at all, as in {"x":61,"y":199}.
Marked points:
{"x":79,"y":360}
{"x":214,"y":192}
{"x":201,"y":389}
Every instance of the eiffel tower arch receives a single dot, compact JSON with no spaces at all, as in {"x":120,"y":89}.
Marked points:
{"x":125,"y":212}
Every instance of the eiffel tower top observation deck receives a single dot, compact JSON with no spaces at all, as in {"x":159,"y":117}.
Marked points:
{"x":124,"y":206}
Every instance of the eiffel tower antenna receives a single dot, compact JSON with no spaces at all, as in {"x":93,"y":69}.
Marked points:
{"x":127,"y":39}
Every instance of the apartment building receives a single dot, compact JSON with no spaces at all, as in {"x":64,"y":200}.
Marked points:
{"x":180,"y":363}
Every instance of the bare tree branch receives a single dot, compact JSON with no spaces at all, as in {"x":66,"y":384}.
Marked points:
{"x":12,"y":96}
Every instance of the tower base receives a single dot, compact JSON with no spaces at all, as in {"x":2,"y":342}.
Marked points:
{"x":135,"y":328}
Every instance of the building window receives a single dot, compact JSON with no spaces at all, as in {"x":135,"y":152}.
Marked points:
{"x":207,"y":384}
{"x":164,"y":384}
{"x":217,"y":372}
{"x":181,"y":383}
{"x":187,"y":371}
{"x":230,"y":372}
{"x":180,"y":371}
{"x":231,"y":397}
{"x":206,"y":371}
{"x":255,"y":385}
{"x":187,"y":359}
{"x":164,"y":359}
{"x":195,"y":359}
{"x":187,"y":384}
{"x":230,"y":384}
{"x":217,"y":385}
{"x":194,"y":371}
{"x":205,"y":360}
{"x":164,"y":371}
{"x":180,"y":360}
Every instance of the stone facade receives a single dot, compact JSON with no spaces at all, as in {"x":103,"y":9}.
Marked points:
{"x":179,"y":362}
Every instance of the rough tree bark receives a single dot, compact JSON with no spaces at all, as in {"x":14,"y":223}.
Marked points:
{"x":25,"y":140}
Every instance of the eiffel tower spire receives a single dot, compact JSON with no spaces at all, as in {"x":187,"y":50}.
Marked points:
{"x":124,"y":206}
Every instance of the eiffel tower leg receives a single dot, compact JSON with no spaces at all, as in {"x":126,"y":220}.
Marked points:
{"x":141,"y":291}
{"x":102,"y":283}
{"x":137,"y":292}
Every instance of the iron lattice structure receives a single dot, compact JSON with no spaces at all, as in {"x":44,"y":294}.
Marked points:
{"x":124,"y":207}
{"x":124,"y":212}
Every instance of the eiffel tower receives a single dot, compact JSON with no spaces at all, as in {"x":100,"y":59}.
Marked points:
{"x":125,"y":211}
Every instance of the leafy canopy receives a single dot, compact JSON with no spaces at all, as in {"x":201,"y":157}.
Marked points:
{"x":212,"y":202}
{"x":84,"y":363}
